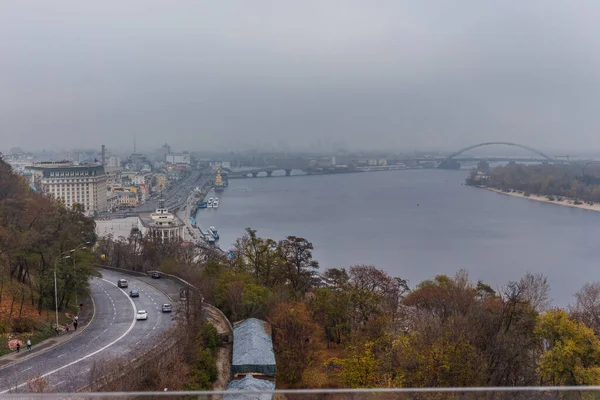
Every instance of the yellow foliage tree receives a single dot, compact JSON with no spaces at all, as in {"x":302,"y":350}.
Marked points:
{"x":573,"y":351}
{"x":360,"y":369}
{"x":443,"y":362}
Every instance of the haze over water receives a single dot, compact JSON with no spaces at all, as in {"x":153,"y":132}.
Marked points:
{"x":416,"y":224}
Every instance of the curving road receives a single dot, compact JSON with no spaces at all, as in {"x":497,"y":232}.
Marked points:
{"x":112,"y":333}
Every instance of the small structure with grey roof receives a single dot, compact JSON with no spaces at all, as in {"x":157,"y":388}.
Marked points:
{"x":250,"y":384}
{"x":253,"y":348}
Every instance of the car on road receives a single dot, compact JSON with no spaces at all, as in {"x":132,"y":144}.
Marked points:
{"x":134,"y":293}
{"x":122,"y":283}
{"x":156,"y":275}
{"x":167,"y":308}
{"x":141,"y":314}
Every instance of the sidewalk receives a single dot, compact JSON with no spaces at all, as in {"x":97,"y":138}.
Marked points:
{"x":85,"y":317}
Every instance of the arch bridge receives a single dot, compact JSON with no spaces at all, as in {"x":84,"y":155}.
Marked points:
{"x":531,"y":149}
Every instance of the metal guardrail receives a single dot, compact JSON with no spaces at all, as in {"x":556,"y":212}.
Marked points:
{"x":467,"y":393}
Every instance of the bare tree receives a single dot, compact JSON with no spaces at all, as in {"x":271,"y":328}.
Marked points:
{"x":587,"y":306}
{"x":535,"y":290}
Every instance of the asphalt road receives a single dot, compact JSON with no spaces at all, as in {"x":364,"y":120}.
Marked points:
{"x":113,"y":333}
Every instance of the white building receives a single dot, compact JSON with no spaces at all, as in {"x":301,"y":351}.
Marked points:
{"x":83,"y":184}
{"x":161,"y":225}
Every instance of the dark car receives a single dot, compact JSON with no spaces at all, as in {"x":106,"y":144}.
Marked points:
{"x":156,"y":275}
{"x":134,"y":293}
{"x":167,"y":308}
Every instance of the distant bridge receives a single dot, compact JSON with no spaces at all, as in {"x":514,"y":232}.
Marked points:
{"x":531,"y":149}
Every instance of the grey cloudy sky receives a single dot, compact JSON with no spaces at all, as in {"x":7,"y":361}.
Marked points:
{"x":233,"y":74}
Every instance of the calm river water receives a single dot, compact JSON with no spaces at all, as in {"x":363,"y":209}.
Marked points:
{"x":416,"y":224}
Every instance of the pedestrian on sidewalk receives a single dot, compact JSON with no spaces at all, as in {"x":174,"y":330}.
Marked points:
{"x":18,"y":347}
{"x":67,"y":327}
{"x":29,"y":344}
{"x":75,"y":324}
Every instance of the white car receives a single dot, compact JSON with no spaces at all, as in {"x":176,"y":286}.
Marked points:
{"x":141,"y":314}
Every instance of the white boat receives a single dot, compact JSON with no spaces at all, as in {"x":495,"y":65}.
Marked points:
{"x":213,"y":232}
{"x":210,"y":238}
{"x":216,"y":203}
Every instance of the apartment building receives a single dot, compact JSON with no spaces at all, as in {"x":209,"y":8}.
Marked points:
{"x":84,"y":184}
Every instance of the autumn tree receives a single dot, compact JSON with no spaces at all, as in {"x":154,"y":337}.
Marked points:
{"x":257,"y":256}
{"x":297,"y":264}
{"x":573,"y":350}
{"x":443,"y":360}
{"x":360,"y":368}
{"x":296,"y":340}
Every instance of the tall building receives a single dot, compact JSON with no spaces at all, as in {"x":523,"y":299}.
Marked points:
{"x":84,"y":184}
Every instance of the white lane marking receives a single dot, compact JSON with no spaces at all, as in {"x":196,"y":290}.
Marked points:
{"x":88,"y":355}
{"x":138,"y":342}
{"x":63,"y":354}
{"x":26,"y":369}
{"x":58,"y":383}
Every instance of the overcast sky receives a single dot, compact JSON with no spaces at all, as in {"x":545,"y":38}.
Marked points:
{"x":359,"y":74}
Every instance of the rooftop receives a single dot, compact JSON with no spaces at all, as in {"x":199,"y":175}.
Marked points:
{"x":250,"y":383}
{"x":252,"y":344}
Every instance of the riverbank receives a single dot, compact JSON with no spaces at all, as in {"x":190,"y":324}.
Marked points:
{"x":565,"y":201}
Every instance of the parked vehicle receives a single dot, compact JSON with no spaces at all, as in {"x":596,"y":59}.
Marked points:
{"x":122,"y":283}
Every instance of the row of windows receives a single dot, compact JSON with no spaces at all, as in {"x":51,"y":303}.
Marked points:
{"x":68,"y":180}
{"x":72,"y":173}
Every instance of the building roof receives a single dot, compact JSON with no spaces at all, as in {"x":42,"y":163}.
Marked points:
{"x":48,"y":167}
{"x":250,"y":383}
{"x":252,"y":347}
{"x":149,"y":222}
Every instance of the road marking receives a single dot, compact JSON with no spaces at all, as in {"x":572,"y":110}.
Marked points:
{"x":138,"y":342}
{"x":26,"y":369}
{"x":58,"y":383}
{"x":63,"y":354}
{"x":89,"y":355}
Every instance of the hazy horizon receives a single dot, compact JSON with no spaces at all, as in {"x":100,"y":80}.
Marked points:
{"x":393,"y":75}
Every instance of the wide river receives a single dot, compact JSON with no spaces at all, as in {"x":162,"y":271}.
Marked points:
{"x":416,"y":224}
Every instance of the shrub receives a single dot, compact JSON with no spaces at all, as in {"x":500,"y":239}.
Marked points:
{"x":23,"y":324}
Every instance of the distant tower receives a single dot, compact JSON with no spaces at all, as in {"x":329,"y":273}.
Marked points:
{"x":103,"y":155}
